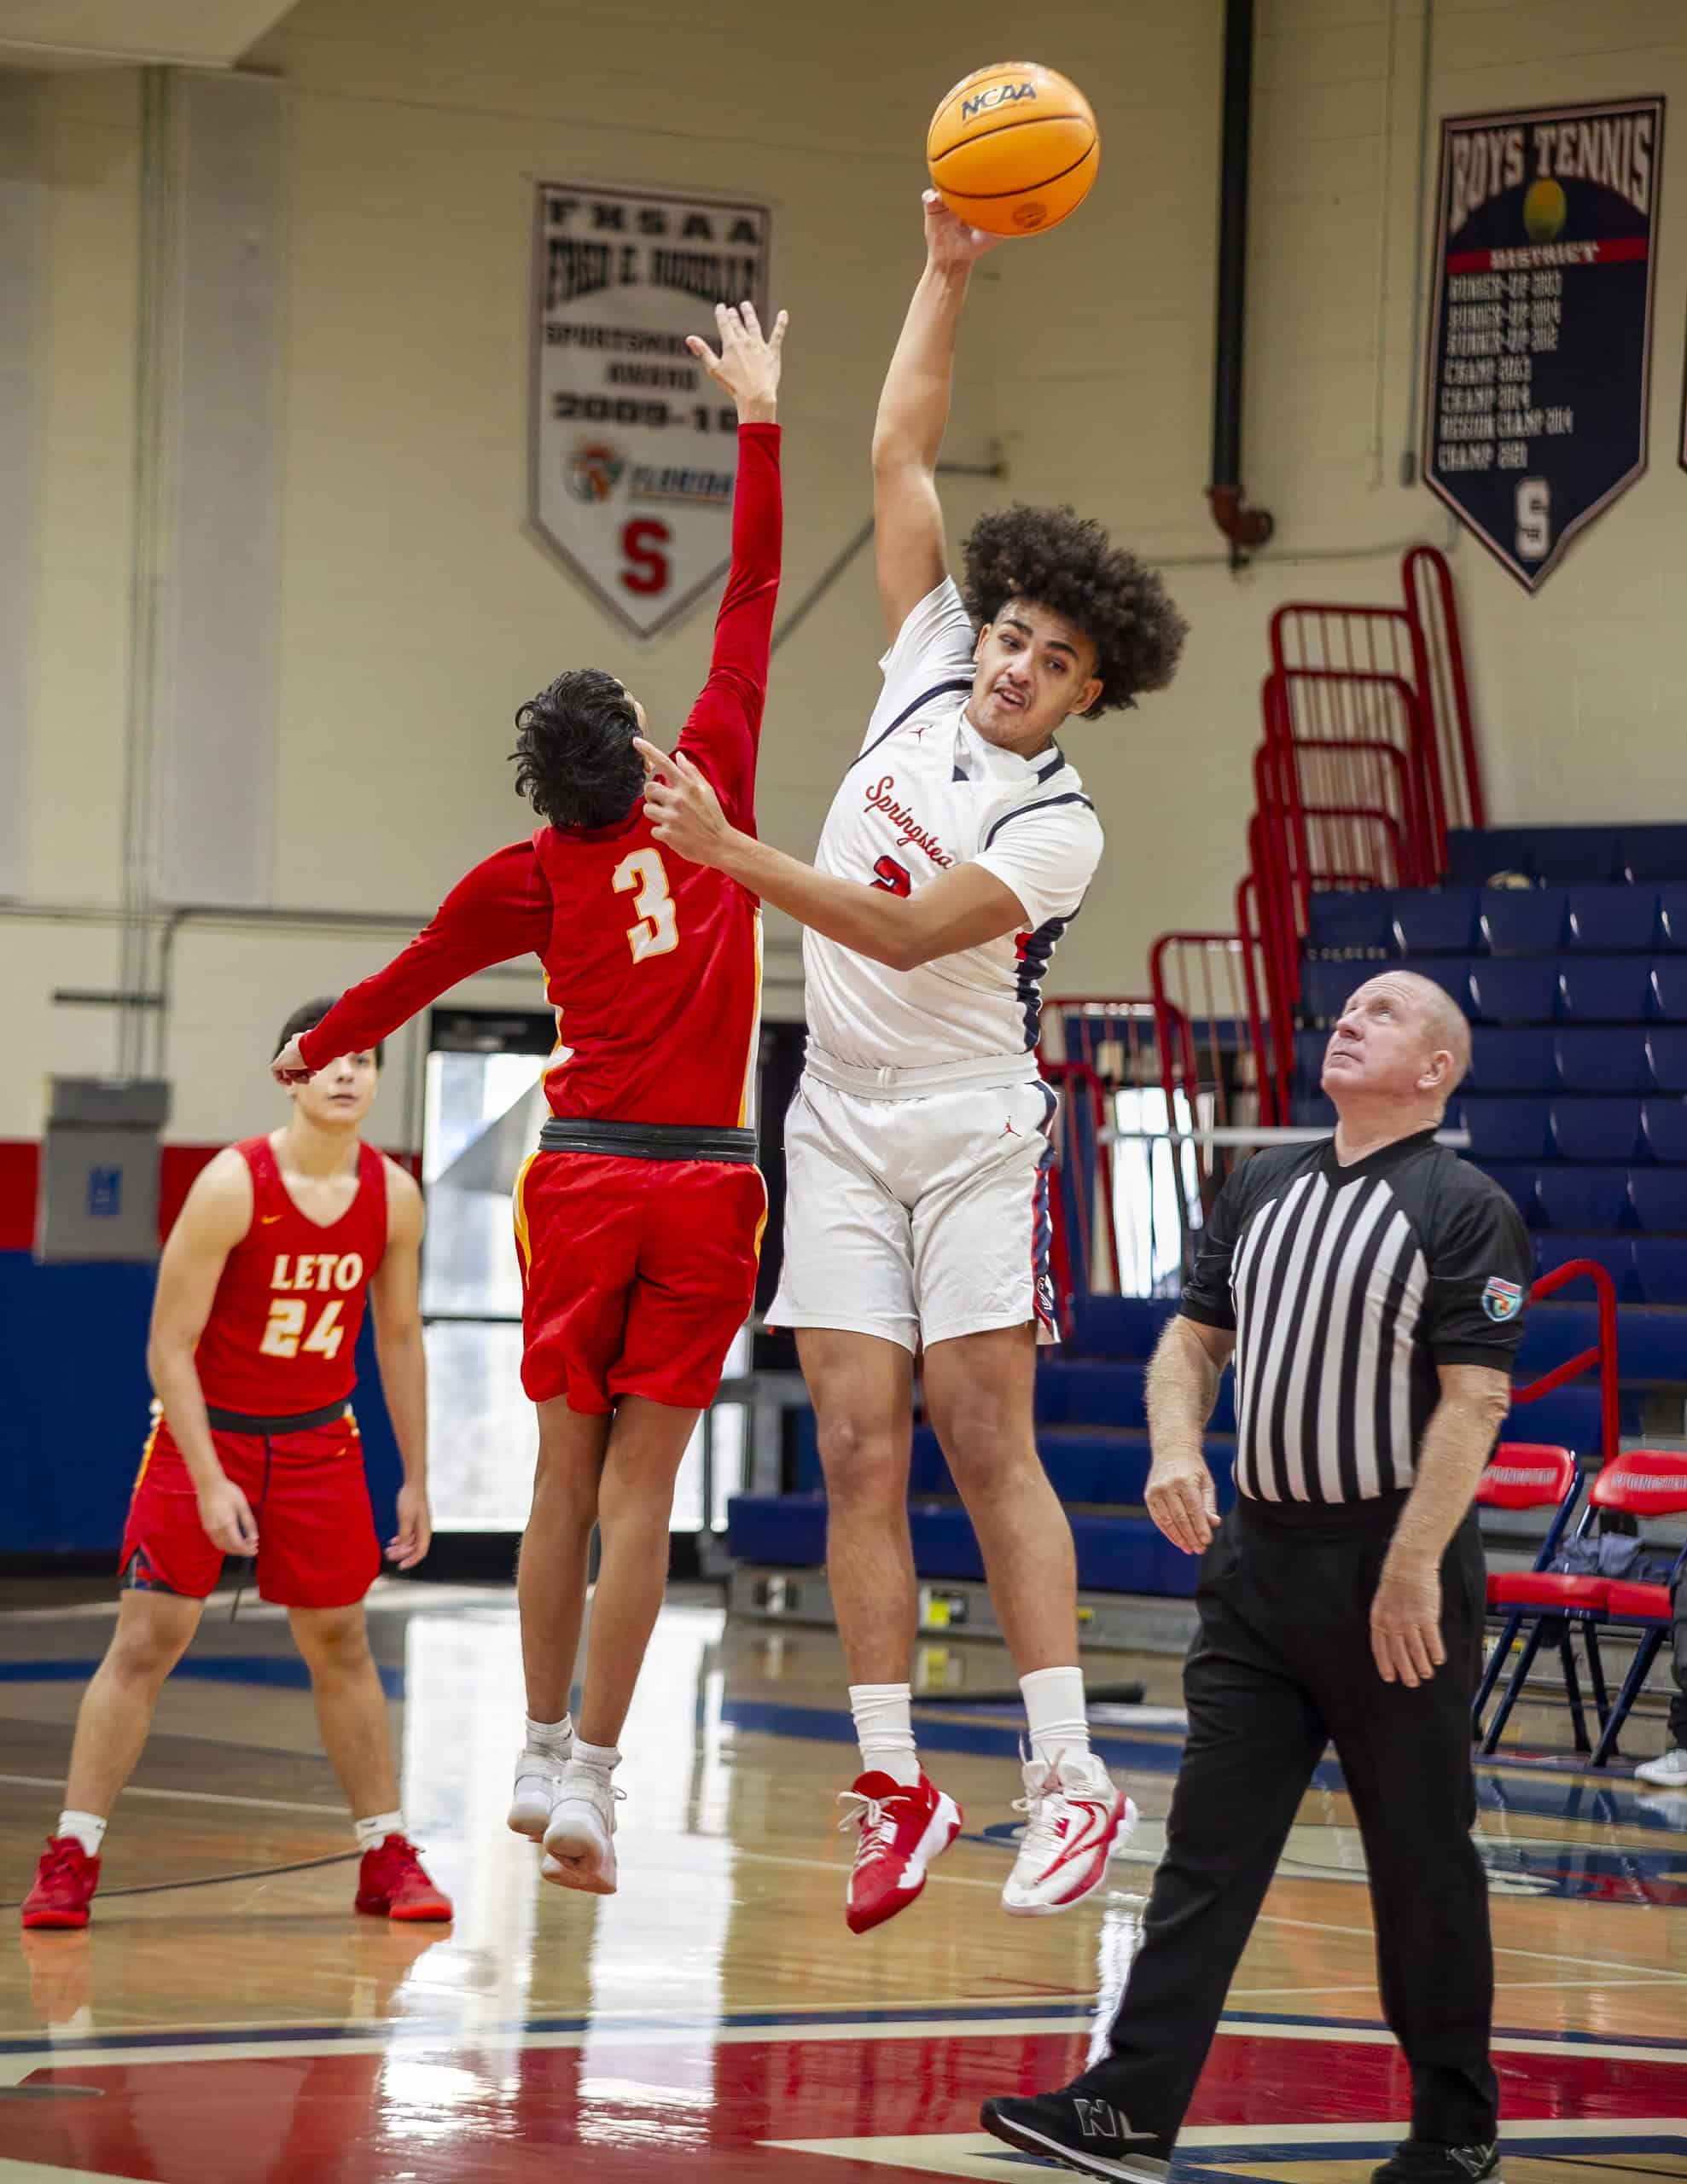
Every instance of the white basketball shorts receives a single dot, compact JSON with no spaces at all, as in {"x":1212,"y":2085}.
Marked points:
{"x":914,"y":1210}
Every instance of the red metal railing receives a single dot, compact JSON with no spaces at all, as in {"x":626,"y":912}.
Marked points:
{"x":1368,"y":730}
{"x":1602,"y":1354}
{"x":1443,"y":689}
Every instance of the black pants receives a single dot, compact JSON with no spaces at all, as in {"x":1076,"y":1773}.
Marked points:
{"x":1281,"y":1664}
{"x":1678,"y":1704}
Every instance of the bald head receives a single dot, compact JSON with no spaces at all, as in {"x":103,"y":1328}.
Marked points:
{"x":1401,"y":1046}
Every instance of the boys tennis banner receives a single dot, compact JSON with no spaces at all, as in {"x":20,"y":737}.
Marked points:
{"x":634,"y":449}
{"x":1541,"y":334}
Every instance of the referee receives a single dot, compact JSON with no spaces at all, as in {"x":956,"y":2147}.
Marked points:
{"x":1370,"y":1288}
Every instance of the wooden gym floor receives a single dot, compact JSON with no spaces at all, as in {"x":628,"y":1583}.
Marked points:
{"x":228,"y":2017}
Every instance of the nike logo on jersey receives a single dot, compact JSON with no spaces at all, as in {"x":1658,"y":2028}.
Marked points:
{"x":882,"y":797}
{"x":267,"y":1220}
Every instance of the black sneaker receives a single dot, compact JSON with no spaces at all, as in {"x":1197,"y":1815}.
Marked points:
{"x":1429,"y":2161}
{"x":1086,"y":2134}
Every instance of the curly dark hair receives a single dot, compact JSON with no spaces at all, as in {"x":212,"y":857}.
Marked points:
{"x":1054,"y":558}
{"x":574,"y":759}
{"x":306,"y":1017}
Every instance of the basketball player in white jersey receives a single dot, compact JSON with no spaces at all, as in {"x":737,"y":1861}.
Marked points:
{"x":956,"y":852}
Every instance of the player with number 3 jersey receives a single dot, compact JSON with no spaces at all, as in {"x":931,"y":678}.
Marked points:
{"x":638,"y":1221}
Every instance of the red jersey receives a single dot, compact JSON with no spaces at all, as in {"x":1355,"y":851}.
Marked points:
{"x":282,"y":1338}
{"x":652,"y":964}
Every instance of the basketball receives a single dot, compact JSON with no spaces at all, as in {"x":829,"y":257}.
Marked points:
{"x":1013,"y":148}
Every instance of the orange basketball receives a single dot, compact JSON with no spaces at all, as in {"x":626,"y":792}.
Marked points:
{"x":1014,"y":149}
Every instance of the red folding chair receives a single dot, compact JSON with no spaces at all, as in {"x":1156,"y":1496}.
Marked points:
{"x":1648,"y":1483}
{"x":1525,"y":1475}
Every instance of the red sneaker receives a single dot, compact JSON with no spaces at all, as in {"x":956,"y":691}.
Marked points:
{"x":393,"y":1884}
{"x":904,"y":1826}
{"x":65,"y":1881}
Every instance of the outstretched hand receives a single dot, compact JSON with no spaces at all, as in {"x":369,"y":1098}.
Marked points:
{"x":684,"y":811}
{"x":749,"y":362}
{"x":949,"y":240}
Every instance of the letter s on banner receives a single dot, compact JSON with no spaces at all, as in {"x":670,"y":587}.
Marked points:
{"x":642,"y":544}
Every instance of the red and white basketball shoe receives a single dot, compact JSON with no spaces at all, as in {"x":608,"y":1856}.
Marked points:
{"x":66,"y":1877}
{"x":904,"y":1826}
{"x":1076,"y":1816}
{"x":393,"y":1883}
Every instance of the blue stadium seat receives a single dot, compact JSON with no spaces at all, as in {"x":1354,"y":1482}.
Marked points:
{"x":1608,"y":989}
{"x":1620,"y":920}
{"x":1654,"y":852}
{"x":1452,"y":973}
{"x":1664,"y":1122}
{"x":1359,"y":920}
{"x":1516,"y":1178}
{"x":1669,"y":988}
{"x":1610,"y":1059}
{"x":1507,"y":1128}
{"x":1436,"y":922}
{"x":1326,"y":983}
{"x":1659,"y":1196}
{"x":1569,"y":1418}
{"x":1673,"y":915}
{"x":1614,"y":1253}
{"x":1309,"y":1049}
{"x":1667,"y":1051}
{"x":1473,"y":858}
{"x":1598,"y":1129}
{"x":787,"y":1530}
{"x":1583,"y":1197}
{"x":1525,"y":992}
{"x":1524,"y":921}
{"x":1660,"y":1269}
{"x":1572,"y":856}
{"x":1505,"y":1059}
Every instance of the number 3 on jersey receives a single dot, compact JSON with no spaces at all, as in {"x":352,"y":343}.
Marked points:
{"x":657,"y":933}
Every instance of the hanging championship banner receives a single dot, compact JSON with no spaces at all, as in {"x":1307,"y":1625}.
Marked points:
{"x":1540,"y":339}
{"x":634,"y":448}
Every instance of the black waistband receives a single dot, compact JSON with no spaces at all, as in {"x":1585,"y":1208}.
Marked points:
{"x":236,"y":1421}
{"x":647,"y":1140}
{"x":1378,"y":1511}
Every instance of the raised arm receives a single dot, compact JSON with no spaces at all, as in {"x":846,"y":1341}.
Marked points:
{"x":216,"y":1215}
{"x":500,"y":909}
{"x":724,"y":729}
{"x":913,"y":411}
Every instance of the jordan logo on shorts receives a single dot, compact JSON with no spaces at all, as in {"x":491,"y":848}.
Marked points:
{"x":1008,"y":1129}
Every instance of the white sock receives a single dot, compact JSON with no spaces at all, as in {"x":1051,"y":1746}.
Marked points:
{"x":377,"y":1827}
{"x":605,"y":1758}
{"x":551,"y":1738}
{"x":1053,"y":1712}
{"x":88,"y":1828}
{"x":884,"y":1729}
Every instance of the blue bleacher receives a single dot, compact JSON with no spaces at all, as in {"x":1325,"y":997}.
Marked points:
{"x":1669,"y":988}
{"x":1435,"y":922}
{"x":1510,"y":1126}
{"x":1513,"y":1058}
{"x":1610,"y":1058}
{"x":1666,"y":1056}
{"x":1673,"y":915}
{"x":1660,"y":1269}
{"x":1361,"y":921}
{"x":1613,"y":921}
{"x":1523,"y":921}
{"x":1605,"y":989}
{"x":1663,"y":1120}
{"x":1582,"y":1198}
{"x":1598,"y":1129}
{"x":1658,"y":853}
{"x":1515,"y":989}
{"x":1658,"y":1201}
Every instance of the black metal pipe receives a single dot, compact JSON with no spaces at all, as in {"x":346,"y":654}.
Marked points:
{"x":1245,"y":527}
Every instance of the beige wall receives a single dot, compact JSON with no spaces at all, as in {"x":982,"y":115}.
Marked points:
{"x":417,"y":612}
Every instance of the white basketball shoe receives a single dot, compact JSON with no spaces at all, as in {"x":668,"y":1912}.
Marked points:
{"x":539,"y":1776}
{"x":1076,"y":1816}
{"x":580,"y":1839}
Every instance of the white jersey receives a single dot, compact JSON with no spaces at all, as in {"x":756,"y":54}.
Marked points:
{"x":929,"y":792}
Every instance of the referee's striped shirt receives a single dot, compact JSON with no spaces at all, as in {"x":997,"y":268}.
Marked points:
{"x":1347,"y":1287}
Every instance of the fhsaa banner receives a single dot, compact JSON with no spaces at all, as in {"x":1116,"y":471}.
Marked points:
{"x":1540,"y":340}
{"x":634,"y":449}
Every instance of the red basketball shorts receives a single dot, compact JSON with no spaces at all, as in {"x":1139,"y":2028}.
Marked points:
{"x":316,"y":1543}
{"x":636,"y":1275}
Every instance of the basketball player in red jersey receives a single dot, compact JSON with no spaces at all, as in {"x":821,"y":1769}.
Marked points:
{"x":638,"y":1221}
{"x":255,"y":1451}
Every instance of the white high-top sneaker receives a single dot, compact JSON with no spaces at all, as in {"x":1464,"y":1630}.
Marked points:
{"x":580,"y":1842}
{"x":1667,"y":1773}
{"x":1075,"y":1816}
{"x":538,"y":1774}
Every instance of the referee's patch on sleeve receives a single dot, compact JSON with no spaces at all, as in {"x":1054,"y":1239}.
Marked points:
{"x":1502,"y":1300}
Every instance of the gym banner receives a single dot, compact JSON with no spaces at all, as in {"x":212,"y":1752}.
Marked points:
{"x":633,"y":447}
{"x":1540,"y":339}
